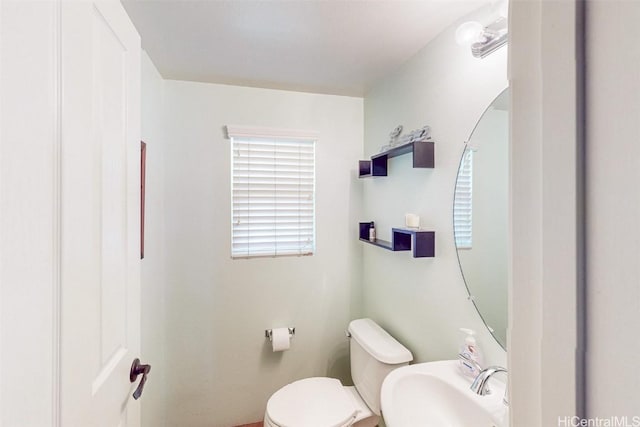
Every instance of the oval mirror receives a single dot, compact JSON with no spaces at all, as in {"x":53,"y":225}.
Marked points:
{"x":480,"y":215}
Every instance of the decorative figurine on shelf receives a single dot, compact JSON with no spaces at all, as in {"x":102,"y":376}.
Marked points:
{"x":394,"y":135}
{"x":419,"y":135}
{"x":393,"y":139}
{"x":423,"y":134}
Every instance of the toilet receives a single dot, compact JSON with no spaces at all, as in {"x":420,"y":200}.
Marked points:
{"x":325,"y":402}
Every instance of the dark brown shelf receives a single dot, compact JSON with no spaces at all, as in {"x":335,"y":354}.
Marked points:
{"x":364,"y":167}
{"x":421,"y":242}
{"x":423,"y":157}
{"x":379,"y":243}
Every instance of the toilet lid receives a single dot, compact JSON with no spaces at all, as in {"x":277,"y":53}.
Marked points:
{"x":311,"y":402}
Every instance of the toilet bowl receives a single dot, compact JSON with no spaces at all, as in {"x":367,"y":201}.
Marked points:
{"x":326,"y":402}
{"x":317,"y":402}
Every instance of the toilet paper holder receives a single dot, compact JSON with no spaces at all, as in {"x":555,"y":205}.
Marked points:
{"x":268,"y":333}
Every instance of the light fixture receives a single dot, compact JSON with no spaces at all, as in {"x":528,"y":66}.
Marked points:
{"x":468,"y":33}
{"x":483,"y":41}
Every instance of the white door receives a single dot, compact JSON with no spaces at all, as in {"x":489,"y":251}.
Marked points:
{"x":100,"y":196}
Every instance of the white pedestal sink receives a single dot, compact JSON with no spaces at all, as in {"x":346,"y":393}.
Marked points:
{"x":436,"y":394}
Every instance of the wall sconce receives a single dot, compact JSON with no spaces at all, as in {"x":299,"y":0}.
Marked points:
{"x":483,"y":40}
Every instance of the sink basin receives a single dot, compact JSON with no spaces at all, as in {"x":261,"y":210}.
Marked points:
{"x":436,"y":394}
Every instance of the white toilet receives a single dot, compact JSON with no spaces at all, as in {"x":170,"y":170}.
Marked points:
{"x":325,"y":402}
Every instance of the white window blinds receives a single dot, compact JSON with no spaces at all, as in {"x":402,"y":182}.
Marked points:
{"x":273,"y":196}
{"x":463,"y":203}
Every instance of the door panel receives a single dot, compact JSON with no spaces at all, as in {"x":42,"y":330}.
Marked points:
{"x":100,"y":214}
{"x":109,"y":104}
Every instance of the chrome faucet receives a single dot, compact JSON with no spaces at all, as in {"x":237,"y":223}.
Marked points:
{"x":479,"y":385}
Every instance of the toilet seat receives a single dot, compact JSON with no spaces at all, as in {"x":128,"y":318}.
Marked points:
{"x":312,"y":402}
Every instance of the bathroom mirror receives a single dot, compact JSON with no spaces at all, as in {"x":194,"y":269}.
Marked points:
{"x":480,"y":215}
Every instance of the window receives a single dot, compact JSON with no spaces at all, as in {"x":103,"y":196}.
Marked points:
{"x":273,"y":193}
{"x":463,"y":202}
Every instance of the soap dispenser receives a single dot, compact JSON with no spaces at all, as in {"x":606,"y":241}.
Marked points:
{"x":470,"y":350}
{"x":372,"y":232}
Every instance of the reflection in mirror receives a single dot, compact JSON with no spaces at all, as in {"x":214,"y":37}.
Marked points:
{"x":480,"y":215}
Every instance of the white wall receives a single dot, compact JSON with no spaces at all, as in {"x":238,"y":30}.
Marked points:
{"x":153,"y":345}
{"x":423,"y":302}
{"x":552,"y":165}
{"x":544,"y":348}
{"x":613,"y":209}
{"x":220,"y":367}
{"x":29,"y":212}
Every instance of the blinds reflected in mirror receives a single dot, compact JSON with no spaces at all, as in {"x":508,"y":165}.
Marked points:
{"x":463,"y":203}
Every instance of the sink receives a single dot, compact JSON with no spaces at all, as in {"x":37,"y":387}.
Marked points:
{"x":436,"y":394}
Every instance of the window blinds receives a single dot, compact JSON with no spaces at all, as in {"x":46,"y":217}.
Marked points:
{"x":463,"y":203}
{"x":273,"y":197}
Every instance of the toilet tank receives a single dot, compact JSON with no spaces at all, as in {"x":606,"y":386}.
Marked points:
{"x":374,"y":353}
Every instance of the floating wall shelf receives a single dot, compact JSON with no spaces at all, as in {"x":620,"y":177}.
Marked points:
{"x":423,"y":157}
{"x":423,"y":243}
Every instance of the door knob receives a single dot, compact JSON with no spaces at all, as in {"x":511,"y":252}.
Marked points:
{"x":138,"y":368}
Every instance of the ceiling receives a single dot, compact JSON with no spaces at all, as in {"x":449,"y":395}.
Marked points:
{"x":333,"y":46}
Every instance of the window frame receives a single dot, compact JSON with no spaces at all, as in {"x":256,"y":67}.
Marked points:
{"x":246,"y":135}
